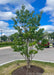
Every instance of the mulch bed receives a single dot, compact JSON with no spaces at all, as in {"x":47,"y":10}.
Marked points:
{"x":34,"y":70}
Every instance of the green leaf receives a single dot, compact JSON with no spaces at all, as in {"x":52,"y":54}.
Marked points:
{"x":33,"y":52}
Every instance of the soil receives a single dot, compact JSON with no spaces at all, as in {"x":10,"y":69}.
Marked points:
{"x":34,"y":70}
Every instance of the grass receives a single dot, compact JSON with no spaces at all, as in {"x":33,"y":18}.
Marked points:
{"x":10,"y":67}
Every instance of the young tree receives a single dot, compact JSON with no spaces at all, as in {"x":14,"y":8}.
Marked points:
{"x":27,"y":23}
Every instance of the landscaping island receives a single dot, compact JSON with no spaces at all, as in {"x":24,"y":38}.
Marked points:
{"x":45,"y":68}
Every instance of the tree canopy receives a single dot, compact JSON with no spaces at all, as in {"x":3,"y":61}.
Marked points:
{"x":4,"y":38}
{"x":27,"y":24}
{"x":51,"y":35}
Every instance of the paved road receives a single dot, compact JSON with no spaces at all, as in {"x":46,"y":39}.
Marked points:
{"x":7,"y":54}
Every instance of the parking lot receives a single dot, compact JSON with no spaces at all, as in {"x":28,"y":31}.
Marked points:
{"x":8,"y":55}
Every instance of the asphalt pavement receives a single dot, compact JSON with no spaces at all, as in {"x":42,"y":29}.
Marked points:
{"x":8,"y":55}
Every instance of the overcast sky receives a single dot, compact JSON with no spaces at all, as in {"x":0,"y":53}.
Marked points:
{"x":8,"y":8}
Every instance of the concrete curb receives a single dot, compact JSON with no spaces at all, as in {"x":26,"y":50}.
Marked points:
{"x":23,"y":59}
{"x":9,"y":62}
{"x":4,"y":47}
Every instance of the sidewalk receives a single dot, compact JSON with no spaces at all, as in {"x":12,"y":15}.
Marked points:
{"x":4,"y":47}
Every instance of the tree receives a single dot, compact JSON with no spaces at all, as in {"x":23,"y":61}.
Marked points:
{"x":27,"y":23}
{"x":51,"y":35}
{"x":4,"y":38}
{"x":11,"y":37}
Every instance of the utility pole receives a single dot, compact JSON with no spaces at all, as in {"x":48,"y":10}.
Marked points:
{"x":1,"y":35}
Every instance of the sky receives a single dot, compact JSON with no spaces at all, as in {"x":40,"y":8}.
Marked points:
{"x":8,"y":8}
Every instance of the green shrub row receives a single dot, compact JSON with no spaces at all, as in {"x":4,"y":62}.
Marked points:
{"x":6,"y":43}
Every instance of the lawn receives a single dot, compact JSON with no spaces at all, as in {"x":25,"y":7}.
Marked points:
{"x":10,"y":67}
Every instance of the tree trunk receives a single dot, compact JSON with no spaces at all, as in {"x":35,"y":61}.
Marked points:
{"x":28,"y":63}
{"x":28,"y":58}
